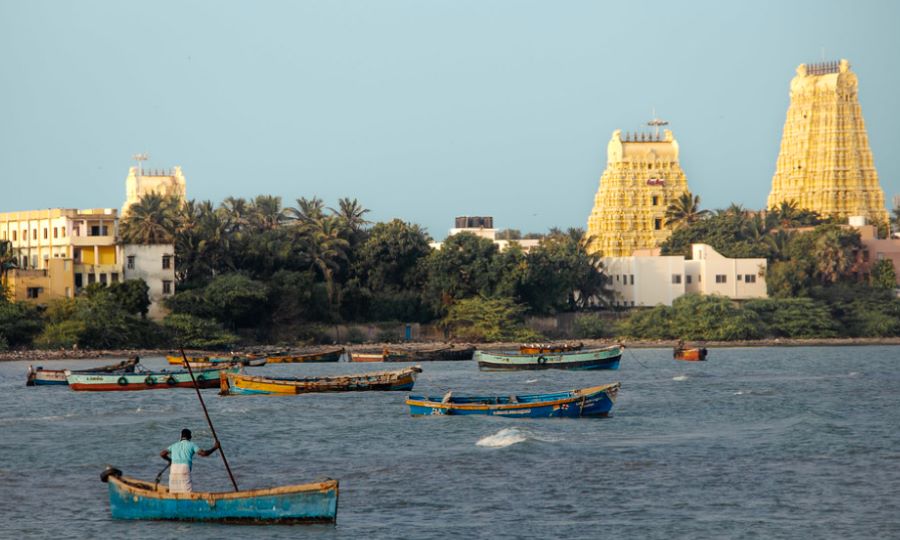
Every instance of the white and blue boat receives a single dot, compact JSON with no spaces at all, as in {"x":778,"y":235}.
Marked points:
{"x":38,"y":376}
{"x":593,"y":401}
{"x":601,"y":358}
{"x":130,"y":498}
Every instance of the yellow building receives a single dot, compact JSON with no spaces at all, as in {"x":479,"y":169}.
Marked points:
{"x":641,"y":179}
{"x":825,"y":163}
{"x":141,"y":182}
{"x":82,"y":241}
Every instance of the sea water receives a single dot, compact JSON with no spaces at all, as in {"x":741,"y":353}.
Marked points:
{"x":756,"y":443}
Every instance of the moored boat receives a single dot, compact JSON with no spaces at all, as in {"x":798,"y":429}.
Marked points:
{"x":690,"y":354}
{"x":39,"y":376}
{"x":332,"y":355}
{"x":241,"y":383}
{"x":601,"y":358}
{"x":592,"y":401}
{"x":366,"y":356}
{"x":194,"y":360}
{"x":130,"y":498}
{"x":145,"y":380}
{"x":542,"y":348}
{"x":446,"y":353}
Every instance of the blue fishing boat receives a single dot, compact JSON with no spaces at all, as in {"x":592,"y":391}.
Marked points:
{"x":601,"y":358}
{"x":130,"y":498}
{"x":593,"y":401}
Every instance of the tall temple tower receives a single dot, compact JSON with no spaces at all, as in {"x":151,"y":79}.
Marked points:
{"x":825,"y":163}
{"x":140,"y":182}
{"x":642,"y":177}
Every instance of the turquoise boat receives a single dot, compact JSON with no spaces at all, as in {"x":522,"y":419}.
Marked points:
{"x":145,"y":380}
{"x":130,"y":498}
{"x":593,"y":401}
{"x":601,"y":358}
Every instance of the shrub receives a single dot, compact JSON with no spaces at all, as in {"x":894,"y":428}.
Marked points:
{"x":590,"y":326}
{"x":196,"y":333}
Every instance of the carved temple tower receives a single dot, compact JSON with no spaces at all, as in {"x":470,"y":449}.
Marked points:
{"x":641,"y":179}
{"x":825,"y":163}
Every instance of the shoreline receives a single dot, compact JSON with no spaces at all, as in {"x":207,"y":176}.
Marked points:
{"x":38,"y":355}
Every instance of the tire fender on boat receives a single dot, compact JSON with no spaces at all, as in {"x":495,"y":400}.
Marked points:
{"x":122,"y":381}
{"x":150,"y":381}
{"x":542,"y":360}
{"x":170,"y":380}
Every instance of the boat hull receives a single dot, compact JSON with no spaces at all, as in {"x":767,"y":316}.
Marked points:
{"x":367,"y":357}
{"x":242,"y":384}
{"x":157,"y":380}
{"x":325,"y":356}
{"x":607,"y":358}
{"x":43,"y":377}
{"x":47,"y":377}
{"x":690,"y":355}
{"x":305,"y":503}
{"x":595,"y":402}
{"x":432,"y":355}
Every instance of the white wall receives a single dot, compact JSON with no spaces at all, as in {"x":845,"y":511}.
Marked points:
{"x":148,"y":265}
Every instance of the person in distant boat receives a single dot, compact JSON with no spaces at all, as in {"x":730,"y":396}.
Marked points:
{"x":181,"y":457}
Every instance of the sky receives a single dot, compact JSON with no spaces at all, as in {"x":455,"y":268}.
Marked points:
{"x":423,"y":109}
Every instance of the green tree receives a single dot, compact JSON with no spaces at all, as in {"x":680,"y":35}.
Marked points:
{"x":19,"y":323}
{"x":133,"y":295}
{"x":835,"y":254}
{"x":151,"y":220}
{"x":7,"y":262}
{"x":685,"y":210}
{"x":193,"y":332}
{"x":883,"y":275}
{"x":795,"y":317}
{"x":462,"y":268}
{"x":236,"y":300}
{"x":487,"y":319}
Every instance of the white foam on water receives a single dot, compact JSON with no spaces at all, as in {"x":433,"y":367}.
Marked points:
{"x":739,"y":393}
{"x":531,"y":381}
{"x":504,"y":437}
{"x":680,"y":378}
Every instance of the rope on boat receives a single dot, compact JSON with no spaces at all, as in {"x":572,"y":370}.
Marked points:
{"x":635,"y":358}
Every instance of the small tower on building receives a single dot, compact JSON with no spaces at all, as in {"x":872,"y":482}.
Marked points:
{"x":641,"y":179}
{"x":825,"y":163}
{"x":141,"y":181}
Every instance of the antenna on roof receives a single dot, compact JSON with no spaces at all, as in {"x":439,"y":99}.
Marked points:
{"x":656,"y":122}
{"x":139,"y":158}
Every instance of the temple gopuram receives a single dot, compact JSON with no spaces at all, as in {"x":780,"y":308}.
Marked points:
{"x":825,"y":163}
{"x":641,"y":179}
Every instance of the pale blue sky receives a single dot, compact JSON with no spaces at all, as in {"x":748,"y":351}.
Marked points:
{"x":422,"y":110}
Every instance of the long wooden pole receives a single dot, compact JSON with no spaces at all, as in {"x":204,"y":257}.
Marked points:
{"x":208,"y":421}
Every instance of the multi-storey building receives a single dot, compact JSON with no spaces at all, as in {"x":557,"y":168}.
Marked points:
{"x":825,"y":163}
{"x":642,"y":177}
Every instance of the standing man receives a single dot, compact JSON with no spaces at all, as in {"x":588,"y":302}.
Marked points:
{"x":181,"y":456}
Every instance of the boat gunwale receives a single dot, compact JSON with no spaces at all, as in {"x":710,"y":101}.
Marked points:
{"x":516,"y":355}
{"x":577,"y":394}
{"x":410,"y":371}
{"x":135,"y":486}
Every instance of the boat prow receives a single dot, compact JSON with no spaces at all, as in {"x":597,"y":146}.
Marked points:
{"x":130,"y":498}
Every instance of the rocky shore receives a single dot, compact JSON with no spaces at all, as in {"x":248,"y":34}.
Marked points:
{"x":37,"y":355}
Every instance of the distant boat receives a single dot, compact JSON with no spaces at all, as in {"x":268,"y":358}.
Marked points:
{"x":332,"y":355}
{"x":366,"y":356}
{"x":447,"y":353}
{"x":603,"y":358}
{"x":145,"y":380}
{"x":39,"y":376}
{"x":130,"y":498}
{"x":542,"y":348}
{"x":234,"y":359}
{"x":240,"y":383}
{"x":690,"y":354}
{"x":593,"y":401}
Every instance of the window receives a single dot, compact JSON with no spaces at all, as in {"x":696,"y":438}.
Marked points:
{"x":657,"y":224}
{"x":130,"y":263}
{"x":114,"y":277}
{"x":55,"y":232}
{"x":687,"y":279}
{"x":45,"y":233}
{"x":103,"y":279}
{"x":656,"y":200}
{"x":34,"y":263}
{"x":865,"y":255}
{"x":92,"y":278}
{"x":737,"y":277}
{"x":632,"y":279}
{"x":167,"y":287}
{"x":24,"y":261}
{"x":721,"y":278}
{"x":76,"y":254}
{"x":34,"y":234}
{"x":750,"y":278}
{"x":632,"y":303}
{"x":63,"y":231}
{"x":676,"y":279}
{"x":14,"y":235}
{"x":617,"y":277}
{"x":167,"y":262}
{"x":79,"y":280}
{"x":34,"y":292}
{"x":76,"y":230}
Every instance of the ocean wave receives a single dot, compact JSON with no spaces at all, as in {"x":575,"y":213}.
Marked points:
{"x":531,"y":381}
{"x":680,"y":378}
{"x":504,"y":437}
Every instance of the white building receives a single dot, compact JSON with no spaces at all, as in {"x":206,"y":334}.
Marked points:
{"x":647,"y":278}
{"x":155,"y":264}
{"x":483,"y":226}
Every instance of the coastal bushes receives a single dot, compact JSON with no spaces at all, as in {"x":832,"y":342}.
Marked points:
{"x":482,"y":319}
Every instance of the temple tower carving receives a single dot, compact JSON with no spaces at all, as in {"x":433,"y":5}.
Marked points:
{"x":825,"y":163}
{"x":641,"y":179}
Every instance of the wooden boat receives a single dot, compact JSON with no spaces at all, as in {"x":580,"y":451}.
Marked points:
{"x":543,"y":348}
{"x":177,"y":360}
{"x":690,"y":354}
{"x":245,"y":362}
{"x":39,"y":376}
{"x":332,"y":355}
{"x":427,"y":355}
{"x":145,"y":380}
{"x":593,"y":401}
{"x":603,"y":358}
{"x":240,"y":383}
{"x":130,"y":498}
{"x":366,"y":357}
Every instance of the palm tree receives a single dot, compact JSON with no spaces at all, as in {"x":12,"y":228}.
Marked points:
{"x":834,"y":256}
{"x":152,"y":220}
{"x":7,"y":262}
{"x":266,"y":213}
{"x":307,"y":210}
{"x":351,"y":212}
{"x":685,"y":210}
{"x":326,"y":247}
{"x":237,"y":212}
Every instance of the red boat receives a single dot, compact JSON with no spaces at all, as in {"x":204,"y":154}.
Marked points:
{"x":690,"y":355}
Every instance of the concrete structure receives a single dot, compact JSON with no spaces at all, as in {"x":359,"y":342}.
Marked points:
{"x":646,"y":278}
{"x":155,"y":264}
{"x":875,"y":249}
{"x":483,"y":226}
{"x":642,"y":177}
{"x":140,"y":182}
{"x":825,"y":163}
{"x":55,"y":280}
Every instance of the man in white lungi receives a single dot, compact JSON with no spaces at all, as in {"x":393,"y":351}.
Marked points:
{"x":181,"y":456}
